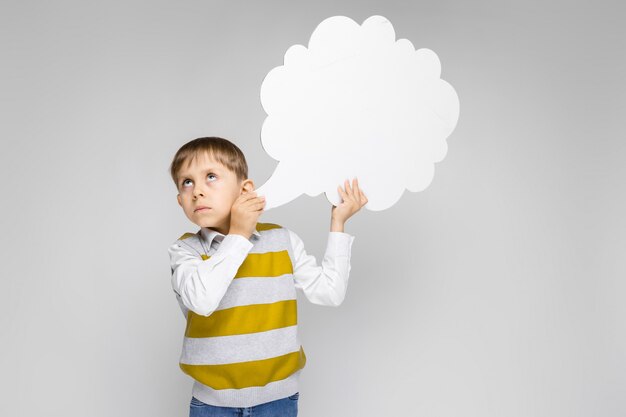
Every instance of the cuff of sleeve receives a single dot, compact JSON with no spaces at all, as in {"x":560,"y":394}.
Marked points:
{"x":236,"y":243}
{"x":340,"y":243}
{"x":233,"y":246}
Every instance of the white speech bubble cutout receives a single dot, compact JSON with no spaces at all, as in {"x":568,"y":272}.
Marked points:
{"x":356,"y":103}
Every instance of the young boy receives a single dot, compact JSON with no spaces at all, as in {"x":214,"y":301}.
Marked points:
{"x":235,"y":281}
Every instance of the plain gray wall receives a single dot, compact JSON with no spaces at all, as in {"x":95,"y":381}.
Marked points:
{"x":497,"y":291}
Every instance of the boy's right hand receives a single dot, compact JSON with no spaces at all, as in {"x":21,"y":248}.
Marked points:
{"x":244,"y":214}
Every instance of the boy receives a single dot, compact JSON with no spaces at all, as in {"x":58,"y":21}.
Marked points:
{"x":235,"y":281}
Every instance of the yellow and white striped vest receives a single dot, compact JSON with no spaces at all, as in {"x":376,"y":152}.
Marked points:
{"x":247,"y":351}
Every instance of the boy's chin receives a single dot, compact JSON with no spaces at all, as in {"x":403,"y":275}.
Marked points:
{"x":206,"y":223}
{"x":210,"y":221}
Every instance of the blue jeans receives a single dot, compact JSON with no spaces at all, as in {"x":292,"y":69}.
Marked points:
{"x":283,"y":407}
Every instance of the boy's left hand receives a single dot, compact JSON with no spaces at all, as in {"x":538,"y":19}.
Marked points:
{"x":353,"y":200}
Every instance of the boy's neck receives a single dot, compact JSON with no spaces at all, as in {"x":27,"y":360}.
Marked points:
{"x":219,"y":230}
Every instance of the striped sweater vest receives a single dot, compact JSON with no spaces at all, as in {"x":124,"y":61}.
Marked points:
{"x":247,"y":351}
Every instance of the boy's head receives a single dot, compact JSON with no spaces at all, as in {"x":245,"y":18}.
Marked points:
{"x":210,"y":172}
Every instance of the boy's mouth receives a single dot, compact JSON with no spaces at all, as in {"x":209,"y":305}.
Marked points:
{"x":201,"y":208}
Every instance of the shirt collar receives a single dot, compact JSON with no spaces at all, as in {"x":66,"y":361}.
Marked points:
{"x":210,"y":234}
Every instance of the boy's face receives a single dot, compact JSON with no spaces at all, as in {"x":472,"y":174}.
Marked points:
{"x":207,"y":183}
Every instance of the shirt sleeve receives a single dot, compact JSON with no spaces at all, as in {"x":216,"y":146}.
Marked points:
{"x":201,"y":284}
{"x":326,"y":284}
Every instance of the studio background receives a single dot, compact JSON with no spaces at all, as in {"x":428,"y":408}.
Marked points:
{"x":497,"y":291}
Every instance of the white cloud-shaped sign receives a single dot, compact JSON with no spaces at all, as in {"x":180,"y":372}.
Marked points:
{"x":355,"y":103}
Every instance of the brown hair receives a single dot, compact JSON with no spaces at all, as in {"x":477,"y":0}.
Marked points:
{"x":221,"y":150}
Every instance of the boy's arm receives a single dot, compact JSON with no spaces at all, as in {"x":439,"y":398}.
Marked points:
{"x":183,"y":309}
{"x":201,"y":284}
{"x":326,"y":284}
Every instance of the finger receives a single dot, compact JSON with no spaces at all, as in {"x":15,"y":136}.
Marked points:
{"x":348,"y":189}
{"x":254,"y":201}
{"x":359,"y":191}
{"x":247,"y":196}
{"x":257,"y":201}
{"x":353,"y":188}
{"x":256,"y":206}
{"x":342,"y":193}
{"x":356,"y":189}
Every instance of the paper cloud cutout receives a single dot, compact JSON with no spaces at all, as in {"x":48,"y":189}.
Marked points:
{"x":355,"y":103}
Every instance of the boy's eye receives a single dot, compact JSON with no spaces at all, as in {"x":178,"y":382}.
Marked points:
{"x":209,"y":175}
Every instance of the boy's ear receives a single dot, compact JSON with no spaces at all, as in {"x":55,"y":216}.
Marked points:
{"x":180,"y":201}
{"x":247,"y":186}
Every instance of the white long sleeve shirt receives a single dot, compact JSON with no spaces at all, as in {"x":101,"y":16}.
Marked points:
{"x":200,"y":284}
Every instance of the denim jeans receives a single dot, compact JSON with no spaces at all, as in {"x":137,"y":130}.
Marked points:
{"x":283,"y":407}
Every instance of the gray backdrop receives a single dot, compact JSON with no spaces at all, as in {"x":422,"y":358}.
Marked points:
{"x":498,"y":291}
